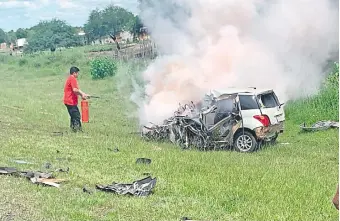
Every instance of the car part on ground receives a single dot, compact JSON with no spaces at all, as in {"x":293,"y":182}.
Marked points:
{"x":34,"y":176}
{"x":320,"y":125}
{"x":143,"y":187}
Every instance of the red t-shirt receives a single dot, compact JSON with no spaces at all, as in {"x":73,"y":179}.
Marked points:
{"x":70,"y":98}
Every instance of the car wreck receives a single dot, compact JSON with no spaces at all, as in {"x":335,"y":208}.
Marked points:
{"x":230,"y":119}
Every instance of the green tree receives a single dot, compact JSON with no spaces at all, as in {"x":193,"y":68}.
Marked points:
{"x":21,"y":33}
{"x":112,"y":19}
{"x":93,"y":28}
{"x":51,"y":34}
{"x":11,"y":36}
{"x":3,"y":36}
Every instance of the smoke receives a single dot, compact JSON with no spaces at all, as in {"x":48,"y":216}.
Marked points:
{"x":278,"y":44}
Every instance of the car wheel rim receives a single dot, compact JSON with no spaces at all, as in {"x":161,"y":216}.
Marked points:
{"x":244,"y":143}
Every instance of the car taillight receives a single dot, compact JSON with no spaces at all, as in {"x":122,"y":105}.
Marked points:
{"x":264,"y":119}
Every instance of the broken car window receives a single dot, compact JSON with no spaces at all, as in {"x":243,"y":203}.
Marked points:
{"x":268,"y":100}
{"x":248,"y":102}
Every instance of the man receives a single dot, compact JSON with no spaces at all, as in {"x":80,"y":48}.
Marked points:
{"x":71,"y":92}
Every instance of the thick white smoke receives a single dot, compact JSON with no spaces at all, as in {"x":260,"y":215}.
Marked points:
{"x":208,"y":44}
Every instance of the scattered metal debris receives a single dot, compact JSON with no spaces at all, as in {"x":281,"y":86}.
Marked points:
{"x":141,"y":187}
{"x":209,"y":124}
{"x":143,"y":160}
{"x":34,"y":176}
{"x":320,"y":125}
{"x":8,"y":170}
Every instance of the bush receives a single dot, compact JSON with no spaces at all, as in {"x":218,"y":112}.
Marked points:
{"x":102,"y":67}
{"x":22,"y":62}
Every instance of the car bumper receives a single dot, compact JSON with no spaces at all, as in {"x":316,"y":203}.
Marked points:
{"x":266,"y":133}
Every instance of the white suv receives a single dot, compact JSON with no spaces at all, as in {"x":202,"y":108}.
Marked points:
{"x":262,"y":116}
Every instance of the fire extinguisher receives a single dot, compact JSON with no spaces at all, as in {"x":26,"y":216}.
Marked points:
{"x":84,"y":111}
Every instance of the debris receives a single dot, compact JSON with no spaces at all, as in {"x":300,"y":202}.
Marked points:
{"x":21,"y":162}
{"x":34,"y":176}
{"x":143,"y":160}
{"x":47,"y":181}
{"x":114,"y":150}
{"x":141,"y":187}
{"x":86,"y":190}
{"x":8,"y":170}
{"x":320,"y":125}
{"x":284,"y":143}
{"x":63,"y":170}
{"x":209,"y":124}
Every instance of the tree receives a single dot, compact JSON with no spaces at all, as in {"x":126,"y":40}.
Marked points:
{"x":21,"y":33}
{"x":11,"y":36}
{"x":3,"y":36}
{"x":112,"y":19}
{"x":50,"y":34}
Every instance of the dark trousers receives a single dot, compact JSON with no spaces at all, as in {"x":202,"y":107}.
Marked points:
{"x":74,"y":113}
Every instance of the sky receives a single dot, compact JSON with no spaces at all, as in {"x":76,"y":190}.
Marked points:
{"x":16,"y":14}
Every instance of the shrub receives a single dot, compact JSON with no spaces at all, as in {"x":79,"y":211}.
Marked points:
{"x":102,"y":67}
{"x":22,"y":62}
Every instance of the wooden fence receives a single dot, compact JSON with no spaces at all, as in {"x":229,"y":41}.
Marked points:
{"x":143,"y":50}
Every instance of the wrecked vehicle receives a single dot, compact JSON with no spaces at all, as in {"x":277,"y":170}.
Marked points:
{"x":231,"y":118}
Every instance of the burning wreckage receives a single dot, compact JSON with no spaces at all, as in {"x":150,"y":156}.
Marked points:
{"x":209,"y":124}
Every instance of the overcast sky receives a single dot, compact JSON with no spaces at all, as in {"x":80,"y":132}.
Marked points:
{"x":16,"y":14}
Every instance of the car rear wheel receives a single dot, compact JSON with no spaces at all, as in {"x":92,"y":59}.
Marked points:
{"x":245,"y":142}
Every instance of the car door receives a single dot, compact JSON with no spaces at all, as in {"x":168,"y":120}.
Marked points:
{"x":271,"y":106}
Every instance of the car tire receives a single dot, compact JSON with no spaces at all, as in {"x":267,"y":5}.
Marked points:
{"x":250,"y":144}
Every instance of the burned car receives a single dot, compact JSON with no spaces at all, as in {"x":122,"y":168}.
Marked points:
{"x":238,"y":119}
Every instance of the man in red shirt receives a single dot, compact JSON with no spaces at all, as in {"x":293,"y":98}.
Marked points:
{"x":71,"y":92}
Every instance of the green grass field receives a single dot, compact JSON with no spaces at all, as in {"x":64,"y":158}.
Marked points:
{"x":293,"y":180}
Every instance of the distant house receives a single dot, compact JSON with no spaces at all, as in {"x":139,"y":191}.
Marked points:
{"x":21,"y":42}
{"x":123,"y":36}
{"x":3,"y":46}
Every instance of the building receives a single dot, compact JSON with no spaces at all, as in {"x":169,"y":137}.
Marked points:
{"x":21,"y":42}
{"x":3,"y":46}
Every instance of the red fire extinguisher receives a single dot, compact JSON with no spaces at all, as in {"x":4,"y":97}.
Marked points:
{"x":84,"y":111}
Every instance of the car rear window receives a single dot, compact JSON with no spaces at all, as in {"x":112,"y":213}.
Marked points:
{"x":269,"y":100}
{"x":248,"y":102}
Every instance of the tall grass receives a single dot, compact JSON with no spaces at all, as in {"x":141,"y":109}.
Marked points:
{"x":323,"y":106}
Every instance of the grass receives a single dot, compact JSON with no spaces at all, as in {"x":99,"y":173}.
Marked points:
{"x":294,"y":181}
